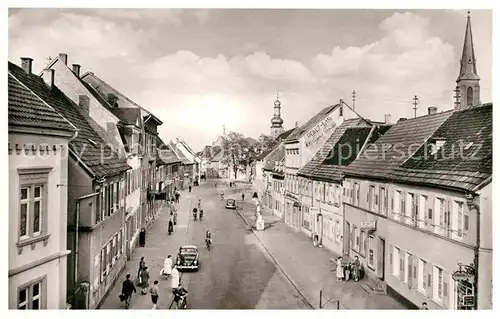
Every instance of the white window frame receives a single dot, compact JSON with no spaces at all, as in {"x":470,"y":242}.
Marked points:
{"x":421,"y":280}
{"x":410,"y":197}
{"x":30,"y":297}
{"x":337,"y":231}
{"x":371,"y":248}
{"x":405,"y":267}
{"x":397,"y":204}
{"x":396,"y":261}
{"x":26,"y":202}
{"x":458,"y":220}
{"x":422,"y":213}
{"x":435,"y":295}
{"x":439,"y":215}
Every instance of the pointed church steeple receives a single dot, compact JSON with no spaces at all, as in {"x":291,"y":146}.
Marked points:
{"x":468,"y":79}
{"x":277,"y":121}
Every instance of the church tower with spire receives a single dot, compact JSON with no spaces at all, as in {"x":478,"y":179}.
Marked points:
{"x":468,"y":80}
{"x":277,"y":121}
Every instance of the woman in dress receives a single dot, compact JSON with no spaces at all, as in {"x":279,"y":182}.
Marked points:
{"x":340,"y":269}
{"x":167,"y":266}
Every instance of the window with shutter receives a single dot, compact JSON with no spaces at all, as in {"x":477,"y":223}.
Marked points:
{"x":429,"y":287}
{"x":445,"y":288}
{"x":113,"y":252}
{"x":97,"y":270}
{"x":108,"y":256}
{"x":402,"y":272}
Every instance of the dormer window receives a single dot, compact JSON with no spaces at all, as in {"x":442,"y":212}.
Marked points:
{"x":436,"y":146}
{"x":94,"y":144}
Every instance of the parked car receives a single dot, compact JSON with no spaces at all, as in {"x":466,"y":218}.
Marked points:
{"x":188,"y":258}
{"x":231,"y":204}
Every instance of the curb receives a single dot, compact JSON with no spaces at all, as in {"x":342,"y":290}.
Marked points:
{"x":276,"y":262}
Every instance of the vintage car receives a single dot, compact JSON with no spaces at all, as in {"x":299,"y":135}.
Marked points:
{"x":231,"y":204}
{"x":188,"y":258}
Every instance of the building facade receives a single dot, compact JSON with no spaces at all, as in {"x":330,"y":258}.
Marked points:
{"x":320,"y":182}
{"x":409,"y":218}
{"x":300,"y":147}
{"x":38,"y":178}
{"x":95,"y":220}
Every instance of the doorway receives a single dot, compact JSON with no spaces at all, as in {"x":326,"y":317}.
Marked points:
{"x":381,"y":259}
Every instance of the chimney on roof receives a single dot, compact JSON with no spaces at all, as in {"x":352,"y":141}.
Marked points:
{"x":76,"y":69}
{"x":387,"y":119}
{"x":48,"y":77}
{"x":432,"y":110}
{"x":63,"y":57}
{"x":296,"y":123}
{"x":27,"y":64}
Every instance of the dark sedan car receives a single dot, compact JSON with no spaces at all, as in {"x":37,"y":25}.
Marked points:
{"x":188,"y":258}
{"x":231,"y":204}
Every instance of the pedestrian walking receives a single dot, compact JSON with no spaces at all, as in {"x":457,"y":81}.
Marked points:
{"x":340,"y":269}
{"x":167,"y":266}
{"x":175,"y":280}
{"x":170,"y":225}
{"x":177,"y":196}
{"x":142,"y":264}
{"x":155,"y":293}
{"x":243,"y":197}
{"x":189,"y":188}
{"x":127,"y":289}
{"x":144,"y":280}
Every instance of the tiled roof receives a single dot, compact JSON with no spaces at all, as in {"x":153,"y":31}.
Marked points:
{"x":298,"y":133}
{"x":276,"y":155}
{"x":89,"y":152}
{"x":264,"y":153}
{"x":466,"y":158}
{"x":96,"y":94}
{"x":127,"y":115}
{"x":184,"y":160}
{"x":217,"y":153}
{"x":314,"y":165}
{"x":390,"y":157}
{"x":26,"y":109}
{"x":283,"y":136}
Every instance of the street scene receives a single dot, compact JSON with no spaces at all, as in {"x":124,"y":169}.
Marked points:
{"x":183,"y":159}
{"x":237,"y":272}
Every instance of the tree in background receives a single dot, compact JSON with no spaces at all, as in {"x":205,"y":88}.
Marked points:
{"x":238,"y":150}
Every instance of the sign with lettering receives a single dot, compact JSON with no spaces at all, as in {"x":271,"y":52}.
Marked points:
{"x":321,"y":131}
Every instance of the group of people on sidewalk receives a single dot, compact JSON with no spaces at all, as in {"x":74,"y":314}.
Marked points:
{"x":169,"y":271}
{"x":350,"y":270}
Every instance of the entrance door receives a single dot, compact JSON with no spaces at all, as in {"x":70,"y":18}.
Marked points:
{"x":347,"y":238}
{"x":381,"y":259}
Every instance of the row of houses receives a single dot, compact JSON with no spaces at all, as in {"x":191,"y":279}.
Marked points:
{"x":87,"y":171}
{"x":412,"y":199}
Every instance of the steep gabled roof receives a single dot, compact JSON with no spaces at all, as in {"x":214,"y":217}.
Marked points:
{"x":184,"y":160}
{"x":283,"y":136}
{"x":27,"y":109}
{"x":404,"y":153}
{"x":315,"y":164}
{"x":87,"y":144}
{"x":465,"y":159}
{"x":276,"y":155}
{"x":298,"y":133}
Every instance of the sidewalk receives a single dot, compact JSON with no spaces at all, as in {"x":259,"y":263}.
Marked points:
{"x":309,"y":268}
{"x":158,"y":246}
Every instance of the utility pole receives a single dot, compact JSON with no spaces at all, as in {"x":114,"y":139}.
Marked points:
{"x":457,"y":97}
{"x":415,"y":103}
{"x":353,"y":99}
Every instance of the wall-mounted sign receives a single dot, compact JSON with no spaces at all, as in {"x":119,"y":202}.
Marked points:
{"x":319,"y":132}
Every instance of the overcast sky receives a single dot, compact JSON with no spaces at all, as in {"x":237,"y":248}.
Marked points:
{"x":199,"y":69}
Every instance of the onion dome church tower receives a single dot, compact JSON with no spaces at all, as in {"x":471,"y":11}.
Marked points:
{"x":468,"y":80}
{"x":277,"y":121}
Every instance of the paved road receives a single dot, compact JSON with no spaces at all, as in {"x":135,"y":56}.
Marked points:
{"x":236,"y":274}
